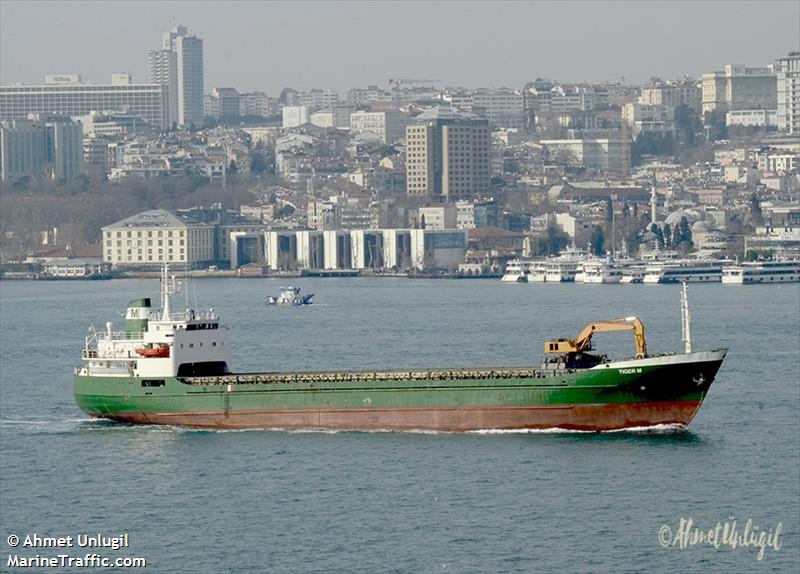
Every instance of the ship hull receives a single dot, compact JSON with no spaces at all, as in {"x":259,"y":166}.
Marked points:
{"x":616,"y":395}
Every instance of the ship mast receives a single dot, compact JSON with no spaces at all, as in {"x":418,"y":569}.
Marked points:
{"x":686,"y":324}
{"x":168,"y":287}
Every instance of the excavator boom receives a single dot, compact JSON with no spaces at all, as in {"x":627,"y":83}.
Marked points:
{"x":583,"y":341}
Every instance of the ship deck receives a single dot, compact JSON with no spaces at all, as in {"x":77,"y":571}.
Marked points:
{"x":362,"y":376}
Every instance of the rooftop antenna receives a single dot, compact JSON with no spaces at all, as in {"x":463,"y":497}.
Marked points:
{"x":686,"y":325}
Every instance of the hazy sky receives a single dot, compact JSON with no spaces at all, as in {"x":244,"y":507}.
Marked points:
{"x":271,"y":45}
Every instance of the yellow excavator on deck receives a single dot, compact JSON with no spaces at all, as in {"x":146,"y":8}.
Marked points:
{"x":583,"y":341}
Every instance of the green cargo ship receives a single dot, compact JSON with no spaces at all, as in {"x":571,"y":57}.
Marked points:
{"x":173,"y":368}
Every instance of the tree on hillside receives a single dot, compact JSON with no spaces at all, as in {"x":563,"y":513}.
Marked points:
{"x":756,"y":215}
{"x":667,"y":235}
{"x":657,"y":231}
{"x":597,"y":240}
{"x":682,"y":237}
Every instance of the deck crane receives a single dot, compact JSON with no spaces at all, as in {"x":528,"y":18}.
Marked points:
{"x":583,"y":341}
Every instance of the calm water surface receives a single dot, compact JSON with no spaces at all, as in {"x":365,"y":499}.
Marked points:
{"x":271,"y":501}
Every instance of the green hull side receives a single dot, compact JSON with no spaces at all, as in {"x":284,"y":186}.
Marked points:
{"x":116,"y":397}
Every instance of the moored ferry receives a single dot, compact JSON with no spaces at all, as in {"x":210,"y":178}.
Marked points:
{"x":603,"y":271}
{"x":701,"y":271}
{"x":632,"y":274}
{"x":538,"y":272}
{"x":517,"y":271}
{"x":560,"y":270}
{"x":762,"y":272}
{"x":182,"y":376}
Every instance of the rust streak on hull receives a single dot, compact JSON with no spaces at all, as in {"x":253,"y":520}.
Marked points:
{"x":592,"y":417}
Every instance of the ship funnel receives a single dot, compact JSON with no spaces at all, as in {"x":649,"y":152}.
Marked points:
{"x":136,"y":316}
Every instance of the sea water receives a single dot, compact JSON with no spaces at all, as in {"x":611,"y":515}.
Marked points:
{"x":200,"y":501}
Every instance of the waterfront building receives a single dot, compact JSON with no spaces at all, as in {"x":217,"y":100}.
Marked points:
{"x":789,"y":93}
{"x":150,"y":101}
{"x":153,"y":238}
{"x":774,"y":241}
{"x":447,"y":155}
{"x":365,"y":249}
{"x":738,"y":87}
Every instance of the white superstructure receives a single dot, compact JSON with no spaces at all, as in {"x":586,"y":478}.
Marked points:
{"x":517,"y":271}
{"x":762,"y":272}
{"x":538,"y":272}
{"x":684,"y":271}
{"x":560,"y":271}
{"x":606,"y":271}
{"x":157,"y":344}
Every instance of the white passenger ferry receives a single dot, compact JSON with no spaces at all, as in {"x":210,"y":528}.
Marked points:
{"x":684,"y":272}
{"x":762,"y":272}
{"x":561,"y":271}
{"x":538,"y":272}
{"x":599,"y":271}
{"x":517,"y":271}
{"x":632,"y":274}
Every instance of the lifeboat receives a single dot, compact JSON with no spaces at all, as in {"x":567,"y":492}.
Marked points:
{"x":153,"y":351}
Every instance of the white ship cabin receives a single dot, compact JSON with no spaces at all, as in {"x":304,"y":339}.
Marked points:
{"x":600,"y":272}
{"x":762,"y":272}
{"x":517,"y":271}
{"x":158,"y":344}
{"x":560,"y":271}
{"x":689,"y":271}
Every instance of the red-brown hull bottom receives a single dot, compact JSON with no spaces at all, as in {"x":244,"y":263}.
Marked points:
{"x":591,"y":417}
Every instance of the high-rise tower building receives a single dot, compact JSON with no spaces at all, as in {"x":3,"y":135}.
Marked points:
{"x":164,"y":71}
{"x":46,"y":145}
{"x":179,"y":64}
{"x":789,"y":93}
{"x":447,"y":155}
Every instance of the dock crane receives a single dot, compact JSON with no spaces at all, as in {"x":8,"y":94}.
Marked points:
{"x":583,"y":341}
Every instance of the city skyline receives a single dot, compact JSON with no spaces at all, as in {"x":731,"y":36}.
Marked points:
{"x":264,"y":46}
